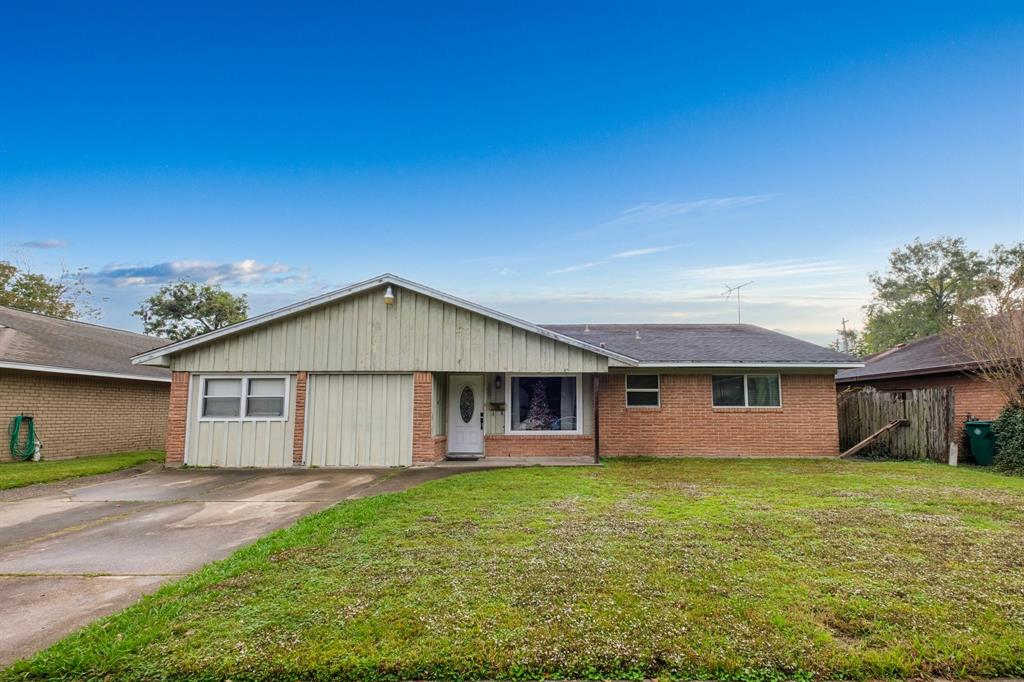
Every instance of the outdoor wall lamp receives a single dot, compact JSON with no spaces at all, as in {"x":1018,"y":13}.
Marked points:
{"x":389,"y":296}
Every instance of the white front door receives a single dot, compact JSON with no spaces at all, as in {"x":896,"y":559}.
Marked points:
{"x":465,"y":414}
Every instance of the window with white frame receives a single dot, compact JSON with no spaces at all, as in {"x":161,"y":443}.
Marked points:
{"x":255,"y":397}
{"x":643,"y":390}
{"x":746,"y":390}
{"x":543,"y":403}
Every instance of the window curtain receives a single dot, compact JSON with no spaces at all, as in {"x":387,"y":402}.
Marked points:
{"x":763,"y":391}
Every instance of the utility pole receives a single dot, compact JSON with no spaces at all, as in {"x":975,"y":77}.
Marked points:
{"x":739,"y":304}
{"x":844,"y":342}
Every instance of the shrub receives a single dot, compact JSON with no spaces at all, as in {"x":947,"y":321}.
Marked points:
{"x":1009,"y":432}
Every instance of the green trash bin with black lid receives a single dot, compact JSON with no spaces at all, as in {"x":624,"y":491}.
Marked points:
{"x":982,"y":440}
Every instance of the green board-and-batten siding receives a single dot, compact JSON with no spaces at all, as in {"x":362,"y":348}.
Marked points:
{"x":363,"y":334}
{"x":238,"y":443}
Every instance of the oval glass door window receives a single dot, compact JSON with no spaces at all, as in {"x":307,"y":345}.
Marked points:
{"x":466,"y":404}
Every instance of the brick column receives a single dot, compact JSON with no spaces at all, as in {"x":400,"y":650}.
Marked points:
{"x":299,"y":437}
{"x":423,"y":450}
{"x":177,"y":417}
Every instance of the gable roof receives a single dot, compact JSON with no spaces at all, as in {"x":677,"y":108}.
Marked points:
{"x":930,"y":355}
{"x":707,"y":345}
{"x":33,"y":342}
{"x":383,"y":280}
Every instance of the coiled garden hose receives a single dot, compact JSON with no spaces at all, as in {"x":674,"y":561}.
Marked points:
{"x":28,"y":450}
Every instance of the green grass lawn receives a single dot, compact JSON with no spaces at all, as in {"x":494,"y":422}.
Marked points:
{"x":736,"y":569}
{"x":17,"y":474}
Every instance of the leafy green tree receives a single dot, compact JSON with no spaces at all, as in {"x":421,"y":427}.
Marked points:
{"x":850,"y":341}
{"x":927,"y":286}
{"x":65,"y":297}
{"x":183,"y":309}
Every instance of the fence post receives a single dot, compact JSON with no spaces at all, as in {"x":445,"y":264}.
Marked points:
{"x":954,"y":453}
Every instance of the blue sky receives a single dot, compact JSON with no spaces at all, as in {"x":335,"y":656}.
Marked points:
{"x":564,"y":162}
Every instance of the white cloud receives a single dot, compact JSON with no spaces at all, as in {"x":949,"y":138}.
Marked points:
{"x":246,"y":272}
{"x":633,"y":253}
{"x":578,"y":267}
{"x":645,"y":213}
{"x":787,"y":269}
{"x":44,"y":244}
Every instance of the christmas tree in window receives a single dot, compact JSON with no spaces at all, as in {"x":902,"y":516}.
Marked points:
{"x":539,"y":416}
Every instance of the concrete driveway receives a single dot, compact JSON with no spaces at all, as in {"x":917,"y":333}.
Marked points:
{"x":71,"y":555}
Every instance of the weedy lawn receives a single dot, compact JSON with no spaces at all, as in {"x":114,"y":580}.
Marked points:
{"x":734,"y":569}
{"x":17,"y":474}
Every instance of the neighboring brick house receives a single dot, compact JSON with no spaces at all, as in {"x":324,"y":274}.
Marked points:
{"x":389,"y":372}
{"x":931,"y":362}
{"x":79,"y":385}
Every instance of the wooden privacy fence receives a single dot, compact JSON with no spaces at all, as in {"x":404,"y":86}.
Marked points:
{"x":926,"y":431}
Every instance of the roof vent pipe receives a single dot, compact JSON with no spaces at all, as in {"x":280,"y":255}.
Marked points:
{"x":637,"y":337}
{"x":586,"y":327}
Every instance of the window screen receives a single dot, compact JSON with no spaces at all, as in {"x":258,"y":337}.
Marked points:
{"x":222,"y":398}
{"x":643,"y":390}
{"x":266,"y":398}
{"x":763,"y":391}
{"x":727,"y":391}
{"x":746,"y":390}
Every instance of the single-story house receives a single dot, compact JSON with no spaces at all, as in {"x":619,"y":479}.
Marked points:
{"x":931,"y":362}
{"x":389,"y":372}
{"x":78,"y":383}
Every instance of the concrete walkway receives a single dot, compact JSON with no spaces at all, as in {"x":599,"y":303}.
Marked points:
{"x":73,"y":553}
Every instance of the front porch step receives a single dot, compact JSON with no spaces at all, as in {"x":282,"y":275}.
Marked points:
{"x":463,"y":456}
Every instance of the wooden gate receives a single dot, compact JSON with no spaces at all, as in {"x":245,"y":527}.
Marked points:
{"x":926,"y":433}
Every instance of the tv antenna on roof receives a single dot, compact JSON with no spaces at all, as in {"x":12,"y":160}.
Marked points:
{"x":739,"y":304}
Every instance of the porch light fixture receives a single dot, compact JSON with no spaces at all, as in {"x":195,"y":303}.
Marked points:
{"x":389,"y":296}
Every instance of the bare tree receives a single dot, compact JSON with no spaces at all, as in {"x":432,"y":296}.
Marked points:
{"x":991,"y":335}
{"x":994,"y":347}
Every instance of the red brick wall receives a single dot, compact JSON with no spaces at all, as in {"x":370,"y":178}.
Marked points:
{"x":299,"y":435}
{"x":424,"y":445}
{"x":687,"y":424}
{"x":81,"y":415}
{"x":538,"y":446}
{"x":177,"y":418}
{"x":972,"y":395}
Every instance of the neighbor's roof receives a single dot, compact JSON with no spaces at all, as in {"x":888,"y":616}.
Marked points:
{"x":706,"y":345}
{"x":354,"y":289}
{"x":47,"y":344}
{"x":931,"y":355}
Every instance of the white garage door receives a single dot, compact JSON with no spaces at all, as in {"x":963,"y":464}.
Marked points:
{"x":359,"y":420}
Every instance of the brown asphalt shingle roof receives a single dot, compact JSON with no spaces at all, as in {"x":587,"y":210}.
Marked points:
{"x":30,"y":339}
{"x":702,"y":343}
{"x":931,"y":355}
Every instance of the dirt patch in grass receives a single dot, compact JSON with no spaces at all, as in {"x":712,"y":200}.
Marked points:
{"x":746,"y":570}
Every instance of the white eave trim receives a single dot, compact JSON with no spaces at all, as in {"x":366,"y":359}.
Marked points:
{"x":150,"y":356}
{"x":82,"y":372}
{"x":753,"y":365}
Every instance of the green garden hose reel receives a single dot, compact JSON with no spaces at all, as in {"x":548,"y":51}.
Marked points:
{"x":27,"y":448}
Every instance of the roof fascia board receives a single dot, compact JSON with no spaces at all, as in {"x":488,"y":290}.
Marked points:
{"x":754,"y":365}
{"x":965,"y":368}
{"x":359,"y":287}
{"x":83,"y":372}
